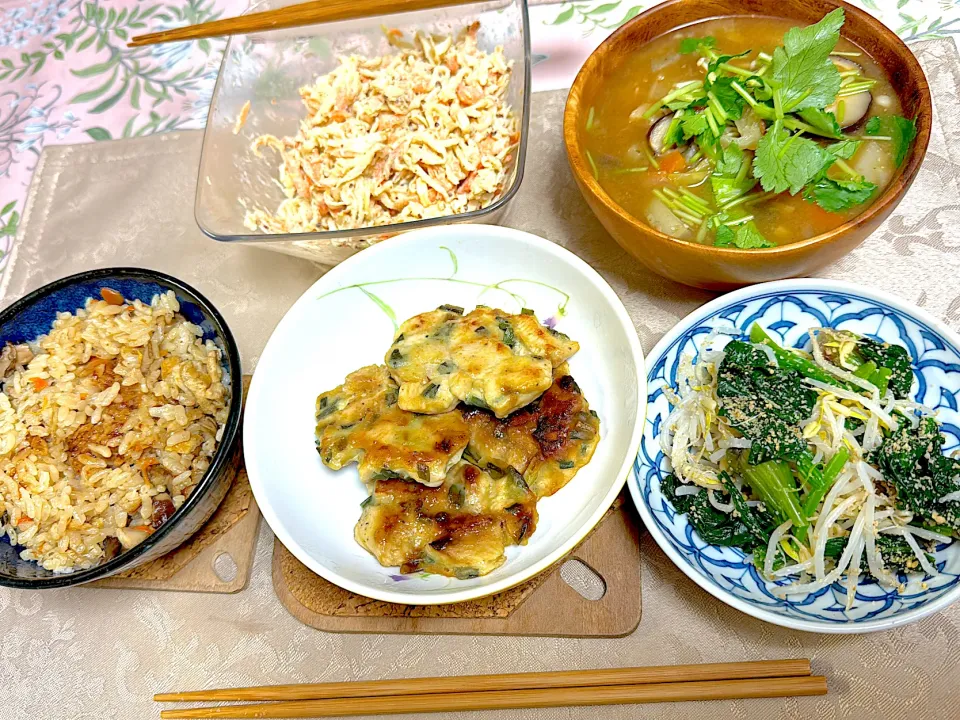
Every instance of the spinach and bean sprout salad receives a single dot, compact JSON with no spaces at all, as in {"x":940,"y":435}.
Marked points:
{"x":818,"y":463}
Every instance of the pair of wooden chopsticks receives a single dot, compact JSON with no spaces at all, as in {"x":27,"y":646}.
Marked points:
{"x":670,"y":683}
{"x":308,"y":13}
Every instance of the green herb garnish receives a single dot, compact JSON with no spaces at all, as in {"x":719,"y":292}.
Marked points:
{"x":903,"y":132}
{"x":821,"y":122}
{"x":802,"y":67}
{"x":689,"y":45}
{"x":744,"y":236}
{"x":839,"y":195}
{"x":787,"y":162}
{"x":844,"y":149}
{"x":788,"y":107}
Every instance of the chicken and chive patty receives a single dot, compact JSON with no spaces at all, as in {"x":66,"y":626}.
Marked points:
{"x":472,"y":420}
{"x":548,"y":441}
{"x":361,"y":422}
{"x":459,"y":529}
{"x":486,"y":358}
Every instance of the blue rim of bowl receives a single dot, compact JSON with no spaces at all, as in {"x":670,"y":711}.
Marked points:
{"x":754,"y":292}
{"x":474,"y":216}
{"x":220,"y":457}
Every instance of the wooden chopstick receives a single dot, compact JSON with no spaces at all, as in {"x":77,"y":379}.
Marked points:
{"x":510,"y":699}
{"x":511,"y":681}
{"x":308,"y":13}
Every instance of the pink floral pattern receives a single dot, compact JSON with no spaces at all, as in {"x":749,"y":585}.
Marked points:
{"x":66,"y":76}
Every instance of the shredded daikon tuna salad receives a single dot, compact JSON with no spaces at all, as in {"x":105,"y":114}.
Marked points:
{"x":422,"y":133}
{"x":817,"y":463}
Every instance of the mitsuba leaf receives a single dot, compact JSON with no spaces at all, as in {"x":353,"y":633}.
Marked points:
{"x":693,"y":124}
{"x":902,"y":132}
{"x":726,"y":189}
{"x":680,"y":104}
{"x":802,"y":66}
{"x":758,"y":87}
{"x":749,"y":237}
{"x":709,"y":145}
{"x":838,"y":195}
{"x":745,"y":236}
{"x":825,"y":122}
{"x":730,"y":162}
{"x":674,"y":135}
{"x":787,"y":162}
{"x":729,"y":179}
{"x":729,"y":99}
{"x":690,"y":45}
{"x":845,"y":149}
{"x":725,"y":236}
{"x":714,"y":66}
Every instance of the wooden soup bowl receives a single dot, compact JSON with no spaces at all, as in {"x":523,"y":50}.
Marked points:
{"x":713,"y":268}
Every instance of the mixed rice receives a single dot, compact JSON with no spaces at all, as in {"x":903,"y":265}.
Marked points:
{"x":107,"y":424}
{"x":424,"y":133}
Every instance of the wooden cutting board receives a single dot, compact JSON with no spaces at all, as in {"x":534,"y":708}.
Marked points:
{"x":218,"y":558}
{"x":607,"y":564}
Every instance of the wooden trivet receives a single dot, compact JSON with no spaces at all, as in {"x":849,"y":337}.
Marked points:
{"x":197,"y":566}
{"x":546,"y":605}
{"x":217,"y":559}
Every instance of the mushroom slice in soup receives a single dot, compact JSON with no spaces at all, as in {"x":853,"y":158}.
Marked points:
{"x":852,"y":109}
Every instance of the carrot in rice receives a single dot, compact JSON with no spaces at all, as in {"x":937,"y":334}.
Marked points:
{"x":111,"y":296}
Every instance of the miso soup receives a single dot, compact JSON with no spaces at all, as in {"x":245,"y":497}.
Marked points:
{"x":746,"y":132}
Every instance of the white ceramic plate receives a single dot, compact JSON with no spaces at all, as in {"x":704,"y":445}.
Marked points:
{"x":346,"y":320}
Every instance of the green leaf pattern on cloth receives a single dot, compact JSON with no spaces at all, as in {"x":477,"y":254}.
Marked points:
{"x":66,"y":75}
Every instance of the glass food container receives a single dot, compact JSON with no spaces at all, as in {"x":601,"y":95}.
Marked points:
{"x":269,"y":68}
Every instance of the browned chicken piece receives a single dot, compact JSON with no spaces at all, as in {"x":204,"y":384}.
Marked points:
{"x":487,"y":358}
{"x":548,"y":441}
{"x":361,"y":422}
{"x":459,"y":529}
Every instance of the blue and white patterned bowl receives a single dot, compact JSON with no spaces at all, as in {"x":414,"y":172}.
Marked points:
{"x":787,"y":309}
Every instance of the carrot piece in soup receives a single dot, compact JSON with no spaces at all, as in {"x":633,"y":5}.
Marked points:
{"x":672,"y":162}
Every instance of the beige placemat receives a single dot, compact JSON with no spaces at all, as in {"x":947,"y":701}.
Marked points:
{"x":96,"y":654}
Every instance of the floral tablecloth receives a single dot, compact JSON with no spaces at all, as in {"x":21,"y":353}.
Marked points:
{"x":66,"y":75}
